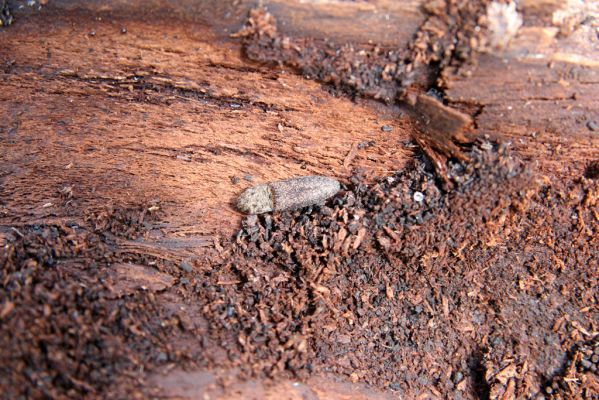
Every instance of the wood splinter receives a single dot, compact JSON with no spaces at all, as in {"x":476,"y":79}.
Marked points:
{"x":438,"y":126}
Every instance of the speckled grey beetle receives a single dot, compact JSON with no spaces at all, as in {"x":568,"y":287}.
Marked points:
{"x":288,"y":194}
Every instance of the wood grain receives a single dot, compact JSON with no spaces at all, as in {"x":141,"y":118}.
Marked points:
{"x":169,"y":112}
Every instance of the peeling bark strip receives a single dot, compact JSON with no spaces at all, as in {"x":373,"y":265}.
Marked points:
{"x":450,"y":36}
{"x":288,"y":194}
{"x":438,"y":127}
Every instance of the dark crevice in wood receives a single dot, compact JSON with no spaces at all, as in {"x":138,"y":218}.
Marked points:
{"x":140,"y":84}
{"x":399,"y":75}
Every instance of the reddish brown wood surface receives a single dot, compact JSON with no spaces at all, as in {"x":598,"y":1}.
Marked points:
{"x":171,"y":111}
{"x":541,"y":94}
{"x":167,"y":113}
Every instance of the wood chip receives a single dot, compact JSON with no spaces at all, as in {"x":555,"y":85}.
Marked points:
{"x":389,"y":292}
{"x":392,"y":234}
{"x":6,"y":309}
{"x":445,"y":304}
{"x":131,"y":277}
{"x":506,"y":373}
{"x":350,"y":155}
{"x":359,"y":238}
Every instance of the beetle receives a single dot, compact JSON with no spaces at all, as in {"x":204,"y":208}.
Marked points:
{"x":288,"y":194}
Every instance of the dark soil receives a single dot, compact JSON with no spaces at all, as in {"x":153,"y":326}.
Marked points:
{"x":441,"y":294}
{"x":579,"y":378}
{"x":488,"y":289}
{"x":60,"y":334}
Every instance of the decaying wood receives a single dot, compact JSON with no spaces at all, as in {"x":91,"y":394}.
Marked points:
{"x":437,"y":128}
{"x":178,"y":117}
{"x":104,"y":107}
{"x":448,"y":37}
{"x":131,"y":277}
{"x":540,"y":93}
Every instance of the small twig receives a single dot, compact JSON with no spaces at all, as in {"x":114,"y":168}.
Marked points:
{"x":228,"y":282}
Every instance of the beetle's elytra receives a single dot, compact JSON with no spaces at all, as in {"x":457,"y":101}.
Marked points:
{"x":288,"y":194}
